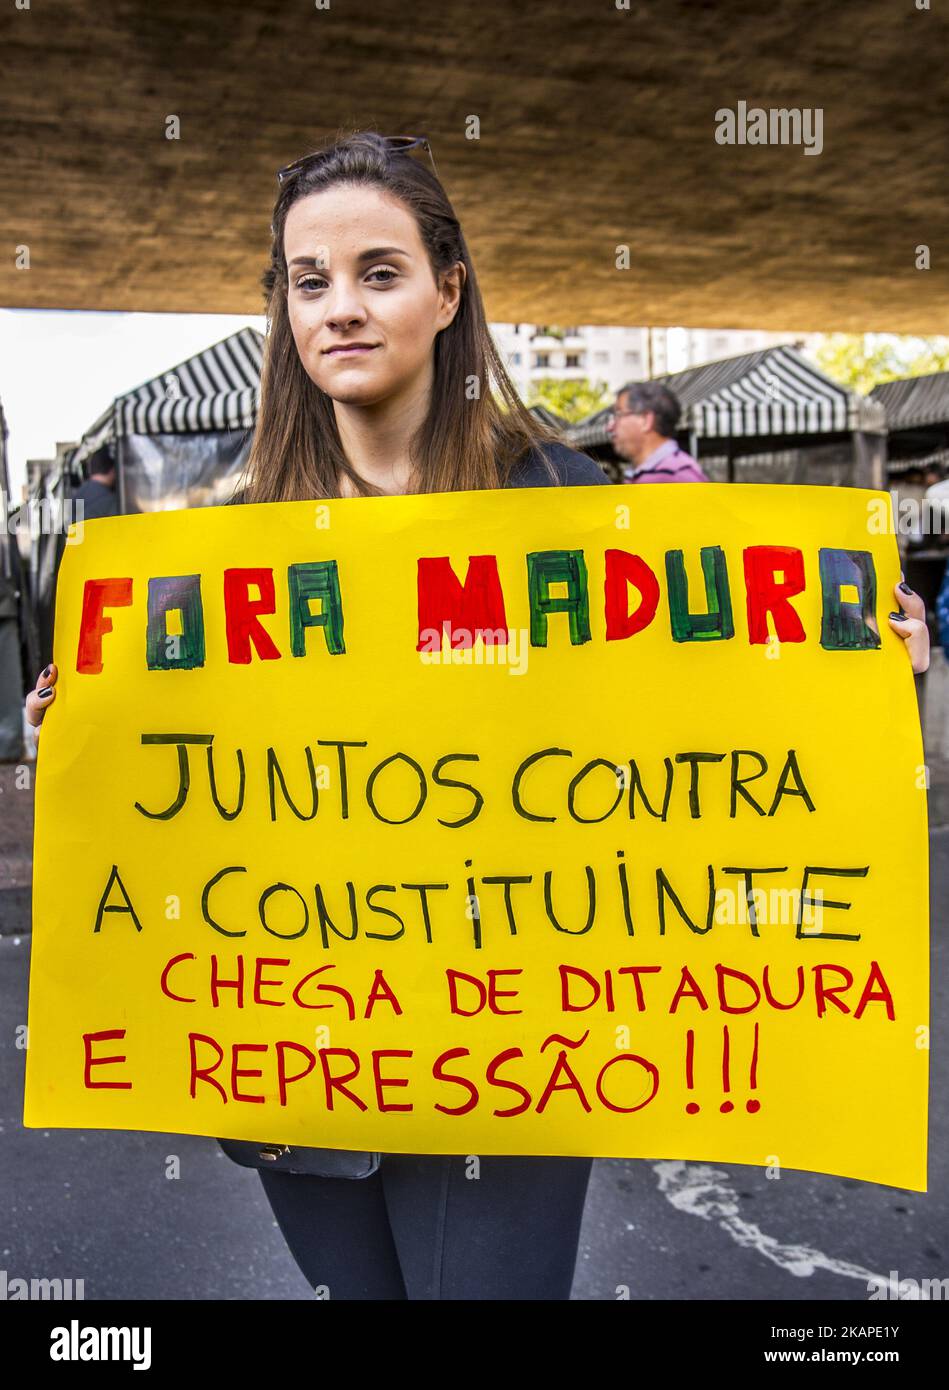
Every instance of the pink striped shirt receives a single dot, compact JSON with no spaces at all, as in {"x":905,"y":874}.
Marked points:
{"x":667,"y":464}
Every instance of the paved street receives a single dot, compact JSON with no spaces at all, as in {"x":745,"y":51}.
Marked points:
{"x":96,"y":1205}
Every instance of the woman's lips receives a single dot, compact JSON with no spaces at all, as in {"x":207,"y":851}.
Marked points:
{"x":349,"y":351}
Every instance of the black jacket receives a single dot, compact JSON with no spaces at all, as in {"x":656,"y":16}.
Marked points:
{"x":573,"y":470}
{"x":97,"y":499}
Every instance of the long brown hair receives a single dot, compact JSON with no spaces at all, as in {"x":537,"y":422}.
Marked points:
{"x":469,"y":439}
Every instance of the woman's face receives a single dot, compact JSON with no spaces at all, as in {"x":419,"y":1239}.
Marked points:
{"x":358,"y":273}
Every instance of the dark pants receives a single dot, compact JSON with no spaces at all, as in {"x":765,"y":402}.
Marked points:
{"x":421,"y":1228}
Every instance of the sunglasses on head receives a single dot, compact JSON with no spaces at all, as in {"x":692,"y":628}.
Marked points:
{"x":398,"y":144}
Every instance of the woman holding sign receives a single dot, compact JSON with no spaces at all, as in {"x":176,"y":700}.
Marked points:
{"x":379,"y":379}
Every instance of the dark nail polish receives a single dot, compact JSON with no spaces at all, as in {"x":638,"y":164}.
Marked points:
{"x":900,"y":617}
{"x":43,"y":694}
{"x":906,"y":589}
{"x":46,"y":672}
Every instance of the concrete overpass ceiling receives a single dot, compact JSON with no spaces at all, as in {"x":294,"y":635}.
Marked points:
{"x":597,"y":131}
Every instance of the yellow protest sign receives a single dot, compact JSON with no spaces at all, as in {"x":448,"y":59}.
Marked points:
{"x":548,"y":821}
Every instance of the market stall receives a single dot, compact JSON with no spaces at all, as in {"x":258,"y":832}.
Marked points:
{"x":180,"y":439}
{"x":767,"y":416}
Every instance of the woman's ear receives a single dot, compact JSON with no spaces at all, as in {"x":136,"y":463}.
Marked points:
{"x":450,"y":293}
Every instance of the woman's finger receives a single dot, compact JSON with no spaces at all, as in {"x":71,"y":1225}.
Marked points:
{"x":42,"y":696}
{"x":48,"y":676}
{"x":915,"y":634}
{"x":910,"y":601}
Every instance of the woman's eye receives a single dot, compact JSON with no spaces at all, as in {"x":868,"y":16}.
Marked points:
{"x":316,"y":282}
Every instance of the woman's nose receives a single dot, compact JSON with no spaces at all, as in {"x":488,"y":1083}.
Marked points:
{"x":344,"y":310}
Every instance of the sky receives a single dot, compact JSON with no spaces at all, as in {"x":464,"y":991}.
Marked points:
{"x":60,"y":369}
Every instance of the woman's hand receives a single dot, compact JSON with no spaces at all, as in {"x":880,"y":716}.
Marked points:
{"x":41,"y":697}
{"x":913,"y":627}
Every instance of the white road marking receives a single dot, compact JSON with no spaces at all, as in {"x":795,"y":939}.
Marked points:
{"x":699,"y":1190}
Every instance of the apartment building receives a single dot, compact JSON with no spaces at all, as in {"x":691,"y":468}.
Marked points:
{"x":615,"y":355}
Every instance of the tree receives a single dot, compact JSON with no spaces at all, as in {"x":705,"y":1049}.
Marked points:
{"x":862,"y":361}
{"x":571,"y":400}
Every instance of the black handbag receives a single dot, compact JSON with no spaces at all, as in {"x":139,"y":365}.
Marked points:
{"x":317,"y":1163}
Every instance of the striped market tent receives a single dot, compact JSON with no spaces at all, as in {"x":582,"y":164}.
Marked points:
{"x":547,"y":417}
{"x":215,"y":390}
{"x":915,"y":402}
{"x":917,"y":412}
{"x":774,"y":393}
{"x":917,"y":415}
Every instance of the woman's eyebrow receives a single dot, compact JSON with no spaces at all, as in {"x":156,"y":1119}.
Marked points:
{"x":374,"y":253}
{"x":377,"y":251}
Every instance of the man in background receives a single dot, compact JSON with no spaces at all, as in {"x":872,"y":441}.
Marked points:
{"x":97,"y":493}
{"x":641,"y":430}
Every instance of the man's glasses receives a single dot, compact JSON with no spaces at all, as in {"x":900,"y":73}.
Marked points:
{"x":615,"y":414}
{"x":400,"y":144}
